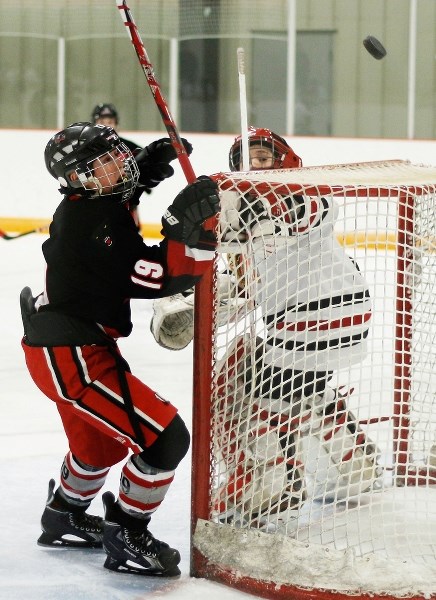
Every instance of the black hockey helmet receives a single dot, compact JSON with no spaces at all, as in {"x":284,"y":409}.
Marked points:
{"x":104,"y":109}
{"x":75,"y":150}
{"x":283,"y":155}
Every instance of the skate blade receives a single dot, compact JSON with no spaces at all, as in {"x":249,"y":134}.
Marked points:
{"x":46,"y":540}
{"x":121,"y":567}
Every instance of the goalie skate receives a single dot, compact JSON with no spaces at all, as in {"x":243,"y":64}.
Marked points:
{"x":351,"y":454}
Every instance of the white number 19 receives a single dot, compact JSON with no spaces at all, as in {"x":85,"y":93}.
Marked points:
{"x":147,"y":274}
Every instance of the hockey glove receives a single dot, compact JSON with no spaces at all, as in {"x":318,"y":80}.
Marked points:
{"x":153,"y":162}
{"x":183,"y":220}
{"x":172,"y":324}
{"x":151,"y":174}
{"x":161,"y":151}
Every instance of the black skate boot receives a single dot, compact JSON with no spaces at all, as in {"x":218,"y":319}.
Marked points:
{"x":64,"y":528}
{"x":131,"y":548}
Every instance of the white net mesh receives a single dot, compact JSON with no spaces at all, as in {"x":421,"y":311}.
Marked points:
{"x":323,"y":388}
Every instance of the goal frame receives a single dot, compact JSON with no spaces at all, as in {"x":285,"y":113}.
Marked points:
{"x":405,"y":474}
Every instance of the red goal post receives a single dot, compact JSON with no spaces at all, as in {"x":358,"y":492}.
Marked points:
{"x":303,"y":502}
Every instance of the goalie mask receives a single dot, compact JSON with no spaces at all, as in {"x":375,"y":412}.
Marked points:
{"x":283,"y":157}
{"x":92,"y":158}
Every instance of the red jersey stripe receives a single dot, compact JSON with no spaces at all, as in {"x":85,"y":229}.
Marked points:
{"x":324,"y":324}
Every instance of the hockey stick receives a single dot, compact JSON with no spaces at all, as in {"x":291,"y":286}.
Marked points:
{"x":249,"y":276}
{"x":243,"y":108}
{"x":147,"y":67}
{"x":8,"y":237}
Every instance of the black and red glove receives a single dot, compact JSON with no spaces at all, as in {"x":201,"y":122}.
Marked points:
{"x":195,"y":204}
{"x":153,"y":162}
{"x":162,"y":151}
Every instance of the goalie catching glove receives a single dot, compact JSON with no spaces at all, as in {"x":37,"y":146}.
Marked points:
{"x":172,"y":324}
{"x":195,"y":204}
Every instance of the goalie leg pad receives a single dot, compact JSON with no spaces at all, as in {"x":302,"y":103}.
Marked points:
{"x":263,"y":474}
{"x":233,"y":373}
{"x":351,"y":453}
{"x":262,"y":477}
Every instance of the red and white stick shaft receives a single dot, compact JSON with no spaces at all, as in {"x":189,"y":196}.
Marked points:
{"x":159,"y":99}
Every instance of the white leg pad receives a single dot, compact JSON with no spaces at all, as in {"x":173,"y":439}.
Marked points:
{"x":350,"y":452}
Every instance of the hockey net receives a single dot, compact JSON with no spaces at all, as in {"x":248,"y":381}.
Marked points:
{"x":322,"y":485}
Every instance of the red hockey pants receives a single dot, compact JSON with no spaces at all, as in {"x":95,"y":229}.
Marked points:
{"x":101,"y":424}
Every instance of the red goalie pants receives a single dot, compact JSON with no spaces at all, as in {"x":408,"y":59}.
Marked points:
{"x":84,"y":382}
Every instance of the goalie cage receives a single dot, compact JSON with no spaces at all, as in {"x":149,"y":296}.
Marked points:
{"x":378,"y":541}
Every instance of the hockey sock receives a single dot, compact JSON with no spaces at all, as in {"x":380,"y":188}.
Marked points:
{"x":142,"y":487}
{"x":80,"y":484}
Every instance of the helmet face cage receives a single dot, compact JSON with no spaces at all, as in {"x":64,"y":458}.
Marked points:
{"x":127,"y":173}
{"x":80,"y":149}
{"x":283,"y":155}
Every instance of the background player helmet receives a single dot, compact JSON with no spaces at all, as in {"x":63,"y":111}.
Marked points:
{"x":104,"y":110}
{"x":75,"y":148}
{"x":283,"y":155}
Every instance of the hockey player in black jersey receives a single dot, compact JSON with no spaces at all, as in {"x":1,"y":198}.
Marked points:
{"x":96,"y":263}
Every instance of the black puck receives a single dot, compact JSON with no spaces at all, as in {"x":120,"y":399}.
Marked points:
{"x":374,"y":47}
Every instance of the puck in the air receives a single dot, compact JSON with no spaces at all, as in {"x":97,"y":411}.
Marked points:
{"x":374,"y":47}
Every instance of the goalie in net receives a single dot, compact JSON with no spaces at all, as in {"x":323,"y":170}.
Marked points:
{"x":274,"y":391}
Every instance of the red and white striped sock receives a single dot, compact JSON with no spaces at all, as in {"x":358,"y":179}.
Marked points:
{"x":80,"y":483}
{"x":142,"y":488}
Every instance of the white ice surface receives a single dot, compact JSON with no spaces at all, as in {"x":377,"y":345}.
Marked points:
{"x":32,"y":446}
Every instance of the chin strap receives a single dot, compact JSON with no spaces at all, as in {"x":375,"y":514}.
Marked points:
{"x":78,"y":192}
{"x":98,"y":187}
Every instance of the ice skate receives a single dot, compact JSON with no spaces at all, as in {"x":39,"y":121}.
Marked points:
{"x":135,"y":550}
{"x":75,"y":529}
